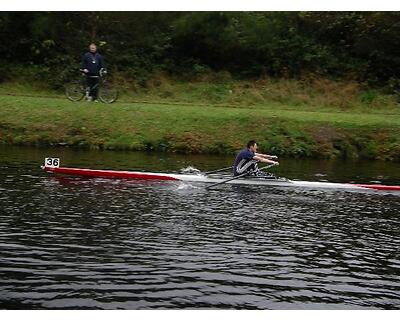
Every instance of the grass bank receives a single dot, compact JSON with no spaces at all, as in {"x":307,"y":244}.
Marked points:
{"x":302,"y":130}
{"x":309,"y":93}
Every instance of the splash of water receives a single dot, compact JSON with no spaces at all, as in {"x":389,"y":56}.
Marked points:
{"x":190,"y":170}
{"x":186,"y":186}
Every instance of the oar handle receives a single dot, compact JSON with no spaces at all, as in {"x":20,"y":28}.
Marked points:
{"x":239,"y":176}
{"x":219,"y":170}
{"x":225,"y":181}
{"x":268,"y":166}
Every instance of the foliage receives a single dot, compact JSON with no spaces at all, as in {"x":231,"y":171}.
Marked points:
{"x":363,"y":46}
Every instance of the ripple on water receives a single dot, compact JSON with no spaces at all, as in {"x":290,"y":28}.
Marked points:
{"x":78,"y":243}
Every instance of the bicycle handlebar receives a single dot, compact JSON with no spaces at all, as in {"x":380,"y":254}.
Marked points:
{"x":102,"y":73}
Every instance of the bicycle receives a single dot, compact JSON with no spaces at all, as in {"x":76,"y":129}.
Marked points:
{"x":77,"y":89}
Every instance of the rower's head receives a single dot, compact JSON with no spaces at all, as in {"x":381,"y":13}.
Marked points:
{"x":252,"y":145}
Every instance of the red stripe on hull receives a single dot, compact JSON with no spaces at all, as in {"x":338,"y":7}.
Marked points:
{"x":379,"y":187}
{"x":109,"y":174}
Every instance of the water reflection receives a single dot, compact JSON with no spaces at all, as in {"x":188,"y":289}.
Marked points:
{"x":107,"y":244}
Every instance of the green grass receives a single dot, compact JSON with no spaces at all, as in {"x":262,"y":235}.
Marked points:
{"x":30,"y":116}
{"x":311,"y":94}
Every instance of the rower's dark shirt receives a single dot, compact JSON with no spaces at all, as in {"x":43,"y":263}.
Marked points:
{"x":242,"y":161}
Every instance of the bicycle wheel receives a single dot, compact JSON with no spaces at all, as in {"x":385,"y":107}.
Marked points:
{"x":75,"y":90}
{"x":107,"y":93}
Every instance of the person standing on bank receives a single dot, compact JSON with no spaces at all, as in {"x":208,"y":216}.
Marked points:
{"x":92,"y":63}
{"x":247,"y":159}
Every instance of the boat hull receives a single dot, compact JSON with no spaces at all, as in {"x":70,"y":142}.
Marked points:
{"x":212,"y":179}
{"x":110,"y":174}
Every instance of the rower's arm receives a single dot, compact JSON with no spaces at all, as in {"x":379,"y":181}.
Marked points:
{"x":264,"y":160}
{"x":266,"y":156}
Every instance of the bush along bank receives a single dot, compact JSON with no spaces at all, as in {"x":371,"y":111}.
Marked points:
{"x":281,"y":130}
{"x":311,"y":142}
{"x":342,"y":144}
{"x":345,"y":144}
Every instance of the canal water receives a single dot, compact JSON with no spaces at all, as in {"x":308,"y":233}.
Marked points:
{"x":74,"y":243}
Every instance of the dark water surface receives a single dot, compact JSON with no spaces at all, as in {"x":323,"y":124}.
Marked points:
{"x":108,"y":244}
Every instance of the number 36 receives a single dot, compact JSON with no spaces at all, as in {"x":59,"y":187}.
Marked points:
{"x":52,"y":162}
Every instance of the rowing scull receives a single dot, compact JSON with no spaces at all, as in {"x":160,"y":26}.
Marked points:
{"x":212,"y":179}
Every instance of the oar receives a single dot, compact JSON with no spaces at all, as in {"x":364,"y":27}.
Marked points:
{"x":218,"y":170}
{"x":229,"y":168}
{"x":237,"y":177}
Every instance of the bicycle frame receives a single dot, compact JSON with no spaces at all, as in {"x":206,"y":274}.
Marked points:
{"x":76,"y":90}
{"x":101,"y":76}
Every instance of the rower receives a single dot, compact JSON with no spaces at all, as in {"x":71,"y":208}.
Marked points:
{"x":247,"y":159}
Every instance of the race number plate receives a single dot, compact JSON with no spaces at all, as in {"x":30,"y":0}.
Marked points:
{"x":52,"y":162}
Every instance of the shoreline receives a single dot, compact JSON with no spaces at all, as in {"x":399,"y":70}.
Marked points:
{"x":199,"y":129}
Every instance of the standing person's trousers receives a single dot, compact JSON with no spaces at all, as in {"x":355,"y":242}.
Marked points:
{"x":92,"y":84}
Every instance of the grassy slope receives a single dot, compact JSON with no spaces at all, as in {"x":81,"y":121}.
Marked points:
{"x":282,"y":129}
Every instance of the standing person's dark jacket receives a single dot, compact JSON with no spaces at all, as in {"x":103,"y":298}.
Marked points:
{"x":92,"y":62}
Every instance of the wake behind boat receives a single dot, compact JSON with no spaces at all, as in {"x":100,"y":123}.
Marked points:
{"x":52,"y":165}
